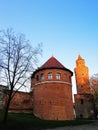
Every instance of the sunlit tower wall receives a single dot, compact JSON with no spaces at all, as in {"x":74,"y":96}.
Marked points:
{"x":84,"y":103}
{"x":82,"y":76}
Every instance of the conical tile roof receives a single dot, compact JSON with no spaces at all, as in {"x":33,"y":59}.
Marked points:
{"x":52,"y":62}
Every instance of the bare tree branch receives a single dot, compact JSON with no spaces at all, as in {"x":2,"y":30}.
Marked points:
{"x":94,"y":90}
{"x":17,"y":60}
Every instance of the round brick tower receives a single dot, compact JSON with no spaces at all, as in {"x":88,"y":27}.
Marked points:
{"x":52,"y":91}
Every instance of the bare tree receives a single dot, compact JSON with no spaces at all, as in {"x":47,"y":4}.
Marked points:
{"x":94,"y":84}
{"x":17,"y":61}
{"x":94,"y":90}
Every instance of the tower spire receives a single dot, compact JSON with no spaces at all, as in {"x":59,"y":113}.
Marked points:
{"x":82,"y":76}
{"x":79,"y":57}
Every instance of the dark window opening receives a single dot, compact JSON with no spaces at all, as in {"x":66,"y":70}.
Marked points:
{"x":82,"y":101}
{"x":69,"y":78}
{"x":37,"y":77}
{"x":81,"y":116}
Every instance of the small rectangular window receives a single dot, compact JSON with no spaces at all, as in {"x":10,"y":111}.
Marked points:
{"x":50,"y":75}
{"x":70,"y":79}
{"x":42,"y":76}
{"x":58,"y":76}
{"x":65,"y":76}
{"x":37,"y":77}
{"x":82,"y":101}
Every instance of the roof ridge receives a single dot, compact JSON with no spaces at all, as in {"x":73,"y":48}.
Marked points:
{"x":52,"y":62}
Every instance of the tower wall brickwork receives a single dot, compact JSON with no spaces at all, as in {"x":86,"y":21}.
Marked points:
{"x":52,"y":98}
{"x":84,"y":103}
{"x":82,"y":76}
{"x":84,"y":106}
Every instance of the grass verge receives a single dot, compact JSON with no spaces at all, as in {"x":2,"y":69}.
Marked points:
{"x":22,"y":121}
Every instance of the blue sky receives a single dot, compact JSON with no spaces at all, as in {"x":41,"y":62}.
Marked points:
{"x":65,"y":27}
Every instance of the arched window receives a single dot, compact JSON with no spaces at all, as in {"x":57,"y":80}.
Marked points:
{"x":58,"y":76}
{"x":65,"y":76}
{"x":69,"y":78}
{"x":49,"y":75}
{"x":42,"y":76}
{"x":37,"y":77}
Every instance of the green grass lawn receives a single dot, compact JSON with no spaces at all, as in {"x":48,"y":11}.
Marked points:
{"x":21,"y":121}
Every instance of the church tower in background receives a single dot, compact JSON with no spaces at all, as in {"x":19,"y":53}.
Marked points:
{"x":84,"y":103}
{"x":82,"y":76}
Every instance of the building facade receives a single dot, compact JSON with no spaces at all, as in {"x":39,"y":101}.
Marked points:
{"x":84,"y":103}
{"x":52,"y":91}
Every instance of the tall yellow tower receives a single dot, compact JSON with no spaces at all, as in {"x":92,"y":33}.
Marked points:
{"x":84,"y":104}
{"x":82,"y":76}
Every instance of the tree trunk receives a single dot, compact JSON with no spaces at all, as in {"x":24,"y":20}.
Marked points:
{"x":7,"y":107}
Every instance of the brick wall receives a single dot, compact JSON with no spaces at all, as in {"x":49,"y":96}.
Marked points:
{"x":84,"y":106}
{"x":2,"y":88}
{"x":21,"y":102}
{"x":52,"y":98}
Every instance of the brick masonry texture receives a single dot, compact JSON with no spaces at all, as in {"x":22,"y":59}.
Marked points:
{"x":84,"y":102}
{"x":2,"y":88}
{"x":21,"y":102}
{"x":52,"y":98}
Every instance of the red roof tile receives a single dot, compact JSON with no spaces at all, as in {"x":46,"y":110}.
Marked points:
{"x":52,"y":62}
